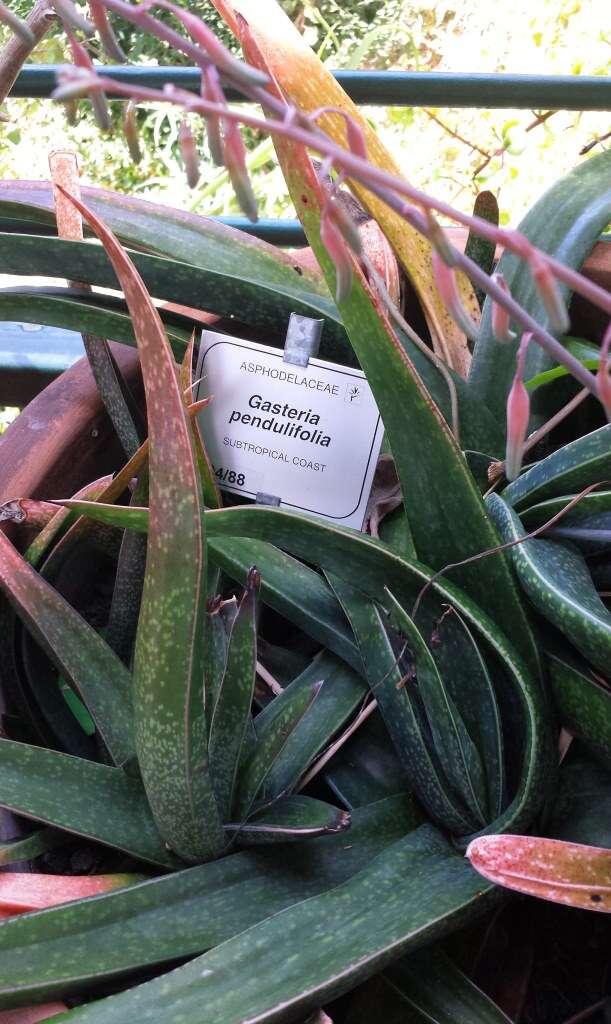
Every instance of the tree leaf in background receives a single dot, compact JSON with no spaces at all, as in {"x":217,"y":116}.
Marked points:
{"x":82,"y":797}
{"x":565,"y":222}
{"x":558,"y":582}
{"x":568,"y":873}
{"x":168,"y":696}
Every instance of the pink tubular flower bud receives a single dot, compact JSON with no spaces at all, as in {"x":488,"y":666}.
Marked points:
{"x":212,"y":91}
{"x":95,"y":93}
{"x":130,"y":130}
{"x":551,"y":297}
{"x":212,"y":46}
{"x":105,"y":32}
{"x":445,"y":279}
{"x":235,"y":162}
{"x":603,"y":377}
{"x":188,"y":151}
{"x":439,"y":240}
{"x":336,"y":247}
{"x":518,"y":415}
{"x":500,"y":317}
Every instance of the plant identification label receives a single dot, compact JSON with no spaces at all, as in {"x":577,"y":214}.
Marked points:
{"x":309,"y":436}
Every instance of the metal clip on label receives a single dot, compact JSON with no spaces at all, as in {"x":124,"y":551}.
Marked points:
{"x":301,"y":344}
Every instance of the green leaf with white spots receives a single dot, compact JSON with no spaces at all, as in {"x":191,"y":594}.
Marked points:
{"x":84,"y":798}
{"x":231,"y":721}
{"x":455,"y":749}
{"x":169,"y":713}
{"x":558,"y":582}
{"x":290,"y":819}
{"x":578,"y":464}
{"x":583,"y":704}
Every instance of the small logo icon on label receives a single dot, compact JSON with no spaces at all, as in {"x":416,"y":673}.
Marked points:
{"x":353,"y":395}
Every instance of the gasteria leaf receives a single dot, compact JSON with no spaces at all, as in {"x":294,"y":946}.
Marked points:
{"x":168,"y":698}
{"x":271,"y":738}
{"x":193,"y":910}
{"x":455,"y":748}
{"x":78,"y":652}
{"x":231,"y":722}
{"x":82,"y":797}
{"x":558,"y":582}
{"x":324,"y":952}
{"x":568,"y":873}
{"x":584,"y":461}
{"x":289,"y":819}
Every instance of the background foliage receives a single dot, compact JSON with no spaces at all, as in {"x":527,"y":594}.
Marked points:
{"x":452,"y":152}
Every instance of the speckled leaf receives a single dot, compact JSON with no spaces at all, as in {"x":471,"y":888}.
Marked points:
{"x":455,"y":749}
{"x":466,"y":675}
{"x":72,"y":314}
{"x":429,"y":982}
{"x":78,"y":652}
{"x":567,"y":873}
{"x":82,"y":797}
{"x":272,"y":735}
{"x":231,"y":715}
{"x":558,"y":582}
{"x":568,"y":470}
{"x":209,"y":483}
{"x":341,"y":695}
{"x":25,"y":891}
{"x":583,"y":705}
{"x":565,"y":222}
{"x":367,"y":768}
{"x":192,"y":910}
{"x":396,"y":701}
{"x":292,"y":589}
{"x":290,"y":819}
{"x":32,"y":846}
{"x":168,"y":684}
{"x":328,"y":943}
{"x":591,"y":504}
{"x":350,"y":555}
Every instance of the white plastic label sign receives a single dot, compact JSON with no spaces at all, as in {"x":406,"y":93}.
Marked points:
{"x":310,"y":435}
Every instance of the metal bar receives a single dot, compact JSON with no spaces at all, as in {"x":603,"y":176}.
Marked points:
{"x":387,"y":88}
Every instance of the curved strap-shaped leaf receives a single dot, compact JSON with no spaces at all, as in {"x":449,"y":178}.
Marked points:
{"x":185,"y":912}
{"x":289,"y":820}
{"x":578,"y":464}
{"x":177,"y":281}
{"x":385,"y":675}
{"x":82,"y":797}
{"x":583,"y":705}
{"x":292,"y":589}
{"x":565,"y":222}
{"x":558,"y":582}
{"x":342,"y":692}
{"x":455,"y":748}
{"x":305,"y":80}
{"x":75,"y":648}
{"x":567,"y":873}
{"x":594,"y":503}
{"x":31,"y":846}
{"x":169,"y":714}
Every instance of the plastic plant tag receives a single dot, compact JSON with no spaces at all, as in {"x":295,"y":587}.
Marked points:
{"x":308,"y":436}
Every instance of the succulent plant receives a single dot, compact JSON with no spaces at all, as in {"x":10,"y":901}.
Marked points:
{"x":404,"y":705}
